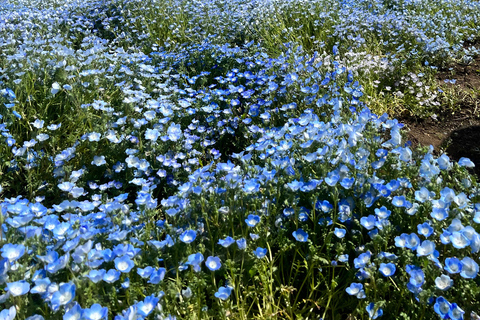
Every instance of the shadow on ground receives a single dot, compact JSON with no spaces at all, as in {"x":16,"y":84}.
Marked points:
{"x":465,"y":143}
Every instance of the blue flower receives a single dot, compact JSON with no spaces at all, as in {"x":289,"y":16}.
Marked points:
{"x":400,"y":201}
{"x":300,"y":235}
{"x":387,"y":269}
{"x":124,"y":264}
{"x":469,"y":268}
{"x":373,"y":312}
{"x":111,"y":276}
{"x":73,"y":313}
{"x":8,"y":314}
{"x":195,"y":260}
{"x":456,"y":313}
{"x":157,"y":275}
{"x":226,"y":242}
{"x":465,"y":162}
{"x":444,"y":282}
{"x":362,"y":260}
{"x":174,"y":132}
{"x":18,"y":288}
{"x":188,"y":236}
{"x":453,"y":265}
{"x":442,"y":307}
{"x":95,"y":312}
{"x":145,"y":273}
{"x":144,"y":308}
{"x":13,"y":252}
{"x":252,"y":220}
{"x":213,"y":263}
{"x":96,"y":275}
{"x":242,"y":243}
{"x":426,"y":248}
{"x":63,"y":296}
{"x":223,"y":292}
{"x":368,"y":222}
{"x":382,"y":213}
{"x":417,"y":277}
{"x":340,"y":233}
{"x":425,"y":229}
{"x":356,"y":289}
{"x":260,"y":252}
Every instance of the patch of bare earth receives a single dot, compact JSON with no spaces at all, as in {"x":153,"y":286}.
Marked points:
{"x":457,"y":134}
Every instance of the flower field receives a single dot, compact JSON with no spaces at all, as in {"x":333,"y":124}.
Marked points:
{"x":234,"y":159}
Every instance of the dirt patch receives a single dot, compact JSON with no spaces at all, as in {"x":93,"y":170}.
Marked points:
{"x":465,"y":76}
{"x":458,"y":136}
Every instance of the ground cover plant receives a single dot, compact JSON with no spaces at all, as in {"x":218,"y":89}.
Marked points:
{"x":242,"y":159}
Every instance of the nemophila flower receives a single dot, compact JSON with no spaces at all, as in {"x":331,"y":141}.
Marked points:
{"x":458,"y":240}
{"x":356,"y":289}
{"x":213,"y":263}
{"x":382,"y":213}
{"x":99,"y":160}
{"x":374,"y":312}
{"x":223,"y":292}
{"x":340,"y":233}
{"x":453,"y":265}
{"x":18,"y":288}
{"x":465,"y":162}
{"x":146,"y":272}
{"x":241,"y":243}
{"x":444,"y":162}
{"x":456,"y":313}
{"x":95,"y":312}
{"x":300,"y":235}
{"x":425,"y":229}
{"x":74,"y":313}
{"x":13,"y":252}
{"x":124,"y":264}
{"x":111,"y":276}
{"x":63,"y":296}
{"x":174,"y":132}
{"x":94,"y":136}
{"x":144,"y":308}
{"x":152,"y":135}
{"x":400,"y":201}
{"x":188,"y":236}
{"x":226,"y":242}
{"x":41,"y":286}
{"x":251,"y":186}
{"x":368,"y":222}
{"x":362,"y":260}
{"x":252,"y":220}
{"x":55,"y":88}
{"x":195,"y":260}
{"x":426,"y":248}
{"x":417,"y":277}
{"x":8,"y":314}
{"x":287,"y":212}
{"x":96,"y":275}
{"x":157,"y":276}
{"x":469,"y":268}
{"x":442,"y":307}
{"x":443,"y":282}
{"x":412,"y":241}
{"x":126,"y":283}
{"x":387,"y":269}
{"x":324,"y":205}
{"x":260,"y":252}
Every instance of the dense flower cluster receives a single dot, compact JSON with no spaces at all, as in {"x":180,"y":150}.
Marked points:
{"x":225,"y":161}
